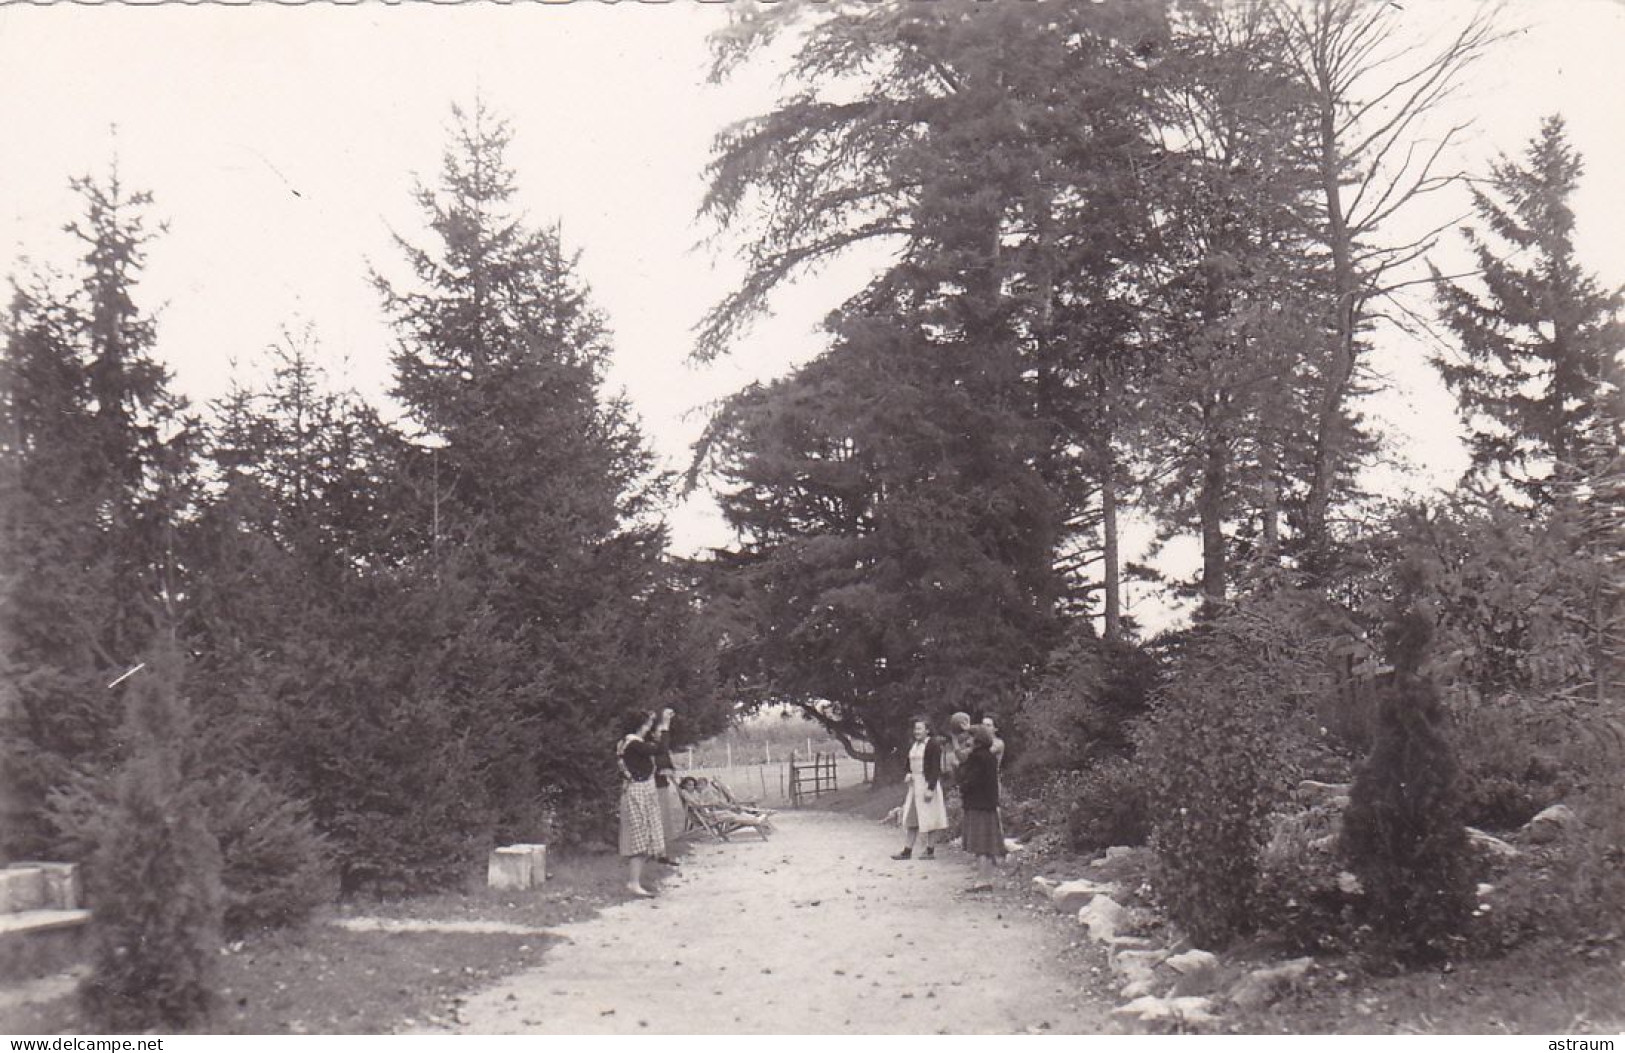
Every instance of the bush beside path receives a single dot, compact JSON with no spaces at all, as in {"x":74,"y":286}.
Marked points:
{"x":814,"y":931}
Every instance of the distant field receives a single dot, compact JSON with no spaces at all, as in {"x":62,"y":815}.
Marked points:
{"x":769,"y":783}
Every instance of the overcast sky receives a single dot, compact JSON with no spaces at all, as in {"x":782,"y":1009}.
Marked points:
{"x":281,"y":144}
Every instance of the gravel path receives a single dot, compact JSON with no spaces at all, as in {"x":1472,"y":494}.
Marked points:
{"x":813,"y":932}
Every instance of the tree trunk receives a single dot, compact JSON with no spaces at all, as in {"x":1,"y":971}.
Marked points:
{"x":1271,"y":500}
{"x":1340,"y":366}
{"x":889,"y":766}
{"x":1112,"y":570}
{"x":1211,"y":510}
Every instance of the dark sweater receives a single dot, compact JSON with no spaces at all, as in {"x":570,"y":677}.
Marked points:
{"x":638,"y":757}
{"x":933,"y":763}
{"x":979,"y":780}
{"x":663,"y":760}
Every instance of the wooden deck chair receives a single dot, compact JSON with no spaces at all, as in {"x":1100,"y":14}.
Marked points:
{"x":720,"y":821}
{"x":726,"y":796}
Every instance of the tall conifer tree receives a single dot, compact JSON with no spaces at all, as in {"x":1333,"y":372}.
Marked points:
{"x":533,"y":493}
{"x":95,"y":462}
{"x":1540,"y":375}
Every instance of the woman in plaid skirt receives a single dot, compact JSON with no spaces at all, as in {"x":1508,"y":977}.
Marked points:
{"x":642,"y":833}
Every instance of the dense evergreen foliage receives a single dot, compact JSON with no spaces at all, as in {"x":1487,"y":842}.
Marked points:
{"x":155,"y":882}
{"x":1404,"y":834}
{"x":1133,"y":259}
{"x":1538,"y":374}
{"x":408,"y":639}
{"x":95,"y":461}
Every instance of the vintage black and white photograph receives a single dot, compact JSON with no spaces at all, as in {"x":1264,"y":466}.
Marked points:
{"x":821,"y":517}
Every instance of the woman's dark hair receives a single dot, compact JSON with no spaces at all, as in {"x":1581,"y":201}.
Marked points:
{"x":919,"y":718}
{"x":632,"y":721}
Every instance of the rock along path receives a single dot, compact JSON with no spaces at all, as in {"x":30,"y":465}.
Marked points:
{"x":815,"y":931}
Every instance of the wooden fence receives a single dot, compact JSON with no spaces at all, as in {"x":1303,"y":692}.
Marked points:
{"x":769,"y":784}
{"x":812,"y":777}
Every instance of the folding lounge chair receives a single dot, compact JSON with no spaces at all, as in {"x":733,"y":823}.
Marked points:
{"x":727,"y":795}
{"x":719,"y":820}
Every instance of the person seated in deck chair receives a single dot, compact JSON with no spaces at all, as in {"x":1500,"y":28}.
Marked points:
{"x":719,"y":789}
{"x":718,"y":806}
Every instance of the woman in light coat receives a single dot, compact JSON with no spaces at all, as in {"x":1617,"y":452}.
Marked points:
{"x":924,"y":809}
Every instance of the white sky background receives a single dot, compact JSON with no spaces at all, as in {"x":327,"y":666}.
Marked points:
{"x":225,"y":113}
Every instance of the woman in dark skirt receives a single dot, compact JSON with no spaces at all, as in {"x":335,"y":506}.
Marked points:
{"x":642,"y":832}
{"x":979,"y":791}
{"x":673,"y":817}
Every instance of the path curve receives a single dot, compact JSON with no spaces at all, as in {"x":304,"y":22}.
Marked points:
{"x":815,"y":931}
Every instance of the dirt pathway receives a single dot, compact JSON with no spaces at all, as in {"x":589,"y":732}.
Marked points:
{"x":813,"y":932}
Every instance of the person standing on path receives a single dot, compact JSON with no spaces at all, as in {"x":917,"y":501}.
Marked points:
{"x":992,"y":725}
{"x":642,"y":833}
{"x":924,"y":809}
{"x":979,"y":790}
{"x":672,"y":816}
{"x":956,"y":746}
{"x":958,"y":742}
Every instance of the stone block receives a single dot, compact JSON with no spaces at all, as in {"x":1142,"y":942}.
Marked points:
{"x":538,"y":864}
{"x":22,"y":888}
{"x":1551,"y":824}
{"x":1131,"y":943}
{"x":509,"y":868}
{"x":35,"y":943}
{"x":1193,"y":962}
{"x":1069,"y":896}
{"x":1490,"y":847}
{"x":1136,"y":965}
{"x":61,"y":884}
{"x":1101,"y":916}
{"x":1191,"y":1009}
{"x":1263,"y":986}
{"x":1139,"y":988}
{"x":1121,"y":863}
{"x":1334,"y":794}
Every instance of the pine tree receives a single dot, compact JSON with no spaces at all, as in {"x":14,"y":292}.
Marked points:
{"x":993,"y":149}
{"x":894,"y":550}
{"x":97,"y":464}
{"x":1403,"y":831}
{"x":155,"y":881}
{"x":547,"y":606}
{"x":921,"y":506}
{"x":1541,"y":369}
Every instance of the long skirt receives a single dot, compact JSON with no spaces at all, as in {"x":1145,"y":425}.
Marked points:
{"x":984,"y":834}
{"x":921,"y":814}
{"x":642,"y":833}
{"x":672,"y":814}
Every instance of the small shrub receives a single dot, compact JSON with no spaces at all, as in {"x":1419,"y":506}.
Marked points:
{"x":154,"y":884}
{"x":1084,"y":704}
{"x":1509,"y":751}
{"x":1110,"y":807}
{"x":1232,"y":728}
{"x":1209,"y":769}
{"x":277,"y":868}
{"x":1305,"y":895}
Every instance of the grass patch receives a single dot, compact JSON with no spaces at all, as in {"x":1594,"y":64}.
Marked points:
{"x":322,"y":978}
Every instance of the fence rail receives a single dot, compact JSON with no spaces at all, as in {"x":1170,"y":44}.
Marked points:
{"x":770,"y":783}
{"x":812,"y":778}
